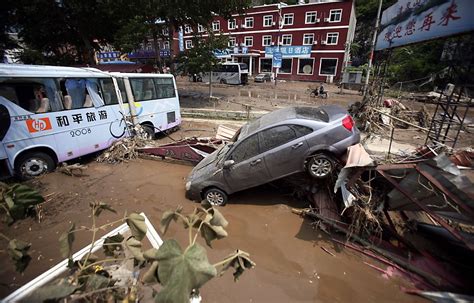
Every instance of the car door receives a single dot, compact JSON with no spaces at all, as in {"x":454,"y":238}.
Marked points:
{"x":249,"y":168}
{"x":284,"y":148}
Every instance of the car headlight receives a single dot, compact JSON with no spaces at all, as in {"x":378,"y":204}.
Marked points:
{"x":188,"y":185}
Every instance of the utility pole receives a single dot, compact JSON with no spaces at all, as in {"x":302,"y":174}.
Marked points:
{"x":280,"y":25}
{"x":372,"y":48}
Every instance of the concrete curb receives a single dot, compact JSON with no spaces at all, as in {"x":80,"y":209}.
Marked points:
{"x":220,"y":114}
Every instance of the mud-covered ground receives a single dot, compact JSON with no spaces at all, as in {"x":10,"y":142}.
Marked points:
{"x":291,"y":265}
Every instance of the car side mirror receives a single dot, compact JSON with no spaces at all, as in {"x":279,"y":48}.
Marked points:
{"x":228,"y":163}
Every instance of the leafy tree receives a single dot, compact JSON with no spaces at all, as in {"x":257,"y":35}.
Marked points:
{"x":152,"y":16}
{"x":6,"y":25}
{"x":366,"y":12}
{"x":201,"y":57}
{"x":61,"y":29}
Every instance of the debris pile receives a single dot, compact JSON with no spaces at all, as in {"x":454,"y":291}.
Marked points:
{"x":415,"y":217}
{"x":125,"y":149}
{"x":393,"y":113}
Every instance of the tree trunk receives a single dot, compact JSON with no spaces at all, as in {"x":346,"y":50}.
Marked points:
{"x":170,"y":40}
{"x":157,"y":50}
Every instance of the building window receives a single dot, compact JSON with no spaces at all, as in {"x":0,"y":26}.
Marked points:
{"x":165,"y":32}
{"x":189,"y":44}
{"x":266,"y":40}
{"x":200,"y":28}
{"x":265,"y":65}
{"x":288,"y":19}
{"x":249,"y":22}
{"x":232,"y":41}
{"x":305,"y":66}
{"x":166,"y":45}
{"x":286,"y":39}
{"x":311,"y":17}
{"x":328,"y":67}
{"x":308,"y":39}
{"x":187,"y":29}
{"x":248,"y":41}
{"x":286,"y":66}
{"x":331,"y":38}
{"x":267,"y":21}
{"x":231,"y":24}
{"x":335,"y":15}
{"x":216,"y":26}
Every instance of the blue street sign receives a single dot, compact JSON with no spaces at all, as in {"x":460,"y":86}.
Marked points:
{"x":300,"y":51}
{"x":181,"y":40}
{"x":277,"y":58}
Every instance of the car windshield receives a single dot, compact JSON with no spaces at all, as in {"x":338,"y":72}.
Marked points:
{"x":222,"y":152}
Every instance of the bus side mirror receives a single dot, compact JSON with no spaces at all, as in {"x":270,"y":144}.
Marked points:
{"x":228,"y":164}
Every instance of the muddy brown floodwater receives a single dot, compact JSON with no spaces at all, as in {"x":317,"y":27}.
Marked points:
{"x":291,"y":266}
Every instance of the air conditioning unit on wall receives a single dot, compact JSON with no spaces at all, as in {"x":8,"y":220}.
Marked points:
{"x":274,"y":23}
{"x":315,"y":42}
{"x":323,"y":42}
{"x":326,"y":19}
{"x":236,"y":27}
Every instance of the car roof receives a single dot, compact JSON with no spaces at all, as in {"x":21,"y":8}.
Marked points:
{"x":320,"y":114}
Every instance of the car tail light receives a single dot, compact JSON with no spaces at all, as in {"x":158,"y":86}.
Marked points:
{"x":348,"y":123}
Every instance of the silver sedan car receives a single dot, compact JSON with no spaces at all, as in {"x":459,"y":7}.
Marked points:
{"x":263,"y":77}
{"x":276,"y":145}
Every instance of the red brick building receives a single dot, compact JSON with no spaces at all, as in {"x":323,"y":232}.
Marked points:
{"x":314,"y":38}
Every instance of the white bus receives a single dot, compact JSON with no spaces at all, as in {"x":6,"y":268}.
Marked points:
{"x":155,"y":100}
{"x":229,"y":73}
{"x":53,"y":114}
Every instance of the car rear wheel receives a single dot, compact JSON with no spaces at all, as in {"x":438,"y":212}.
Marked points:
{"x":33,"y":164}
{"x":320,"y":166}
{"x":216,"y":197}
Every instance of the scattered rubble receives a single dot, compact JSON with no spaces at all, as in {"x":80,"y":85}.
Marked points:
{"x":414,"y":216}
{"x":74,"y":170}
{"x":126,"y":148}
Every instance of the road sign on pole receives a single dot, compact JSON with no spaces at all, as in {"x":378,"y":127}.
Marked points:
{"x":277,"y":58}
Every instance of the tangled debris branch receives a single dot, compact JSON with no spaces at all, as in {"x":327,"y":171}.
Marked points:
{"x":126,"y":148}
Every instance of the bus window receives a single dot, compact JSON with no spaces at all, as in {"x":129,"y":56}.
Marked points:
{"x":108,"y":91}
{"x":36,"y":95}
{"x":76,"y":90}
{"x":143,"y":89}
{"x":164,"y":88}
{"x":123,"y":92}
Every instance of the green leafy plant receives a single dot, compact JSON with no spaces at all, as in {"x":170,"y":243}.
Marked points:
{"x":18,"y":200}
{"x":178,"y":272}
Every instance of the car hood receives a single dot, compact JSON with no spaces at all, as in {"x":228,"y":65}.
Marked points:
{"x":207,"y":167}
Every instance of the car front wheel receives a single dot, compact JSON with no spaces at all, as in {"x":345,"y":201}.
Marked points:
{"x":216,"y":197}
{"x":320,"y":166}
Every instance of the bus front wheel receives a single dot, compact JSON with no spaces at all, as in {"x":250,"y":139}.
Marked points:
{"x":33,"y":164}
